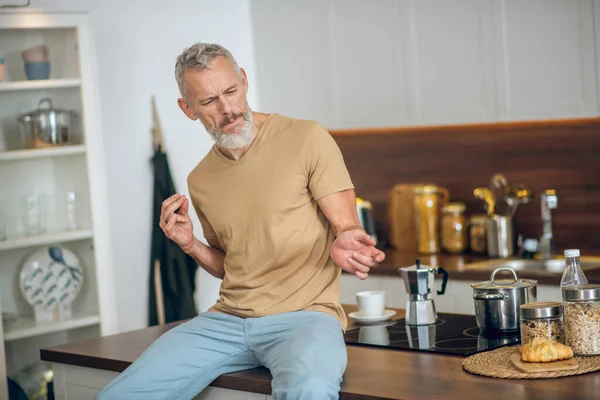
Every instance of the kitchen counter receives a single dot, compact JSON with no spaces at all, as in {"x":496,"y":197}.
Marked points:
{"x":459,"y":269}
{"x":371,"y":373}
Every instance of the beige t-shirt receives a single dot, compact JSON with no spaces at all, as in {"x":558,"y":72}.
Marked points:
{"x":261,"y":210}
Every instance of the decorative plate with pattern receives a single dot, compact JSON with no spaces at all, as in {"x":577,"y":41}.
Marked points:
{"x":51,"y":276}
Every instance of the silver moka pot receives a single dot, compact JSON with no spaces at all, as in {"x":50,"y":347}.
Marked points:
{"x":418,"y":281}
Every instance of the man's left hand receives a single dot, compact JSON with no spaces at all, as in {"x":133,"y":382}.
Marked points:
{"x":354,"y":251}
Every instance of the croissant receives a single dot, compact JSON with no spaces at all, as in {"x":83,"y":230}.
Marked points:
{"x":544,"y":350}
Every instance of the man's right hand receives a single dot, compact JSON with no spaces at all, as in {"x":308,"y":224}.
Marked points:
{"x":178,"y":226}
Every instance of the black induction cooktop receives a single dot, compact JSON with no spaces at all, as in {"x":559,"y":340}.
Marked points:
{"x":451,"y":334}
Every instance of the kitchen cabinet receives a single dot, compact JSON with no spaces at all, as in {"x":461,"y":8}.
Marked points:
{"x":52,"y":172}
{"x":545,"y":59}
{"x":450,"y":60}
{"x":82,"y":383}
{"x":356,"y":64}
{"x":296,"y":75}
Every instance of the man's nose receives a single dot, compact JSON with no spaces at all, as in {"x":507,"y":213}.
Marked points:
{"x":226,"y":106}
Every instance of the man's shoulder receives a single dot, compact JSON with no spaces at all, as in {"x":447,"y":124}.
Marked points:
{"x":297,"y":126}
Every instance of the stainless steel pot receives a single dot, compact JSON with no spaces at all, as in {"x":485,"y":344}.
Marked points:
{"x":47,"y":126}
{"x":497,"y":302}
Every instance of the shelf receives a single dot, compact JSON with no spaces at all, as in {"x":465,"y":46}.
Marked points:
{"x":27,"y":327}
{"x":49,"y":238}
{"x":40,"y":84}
{"x":42,"y":152}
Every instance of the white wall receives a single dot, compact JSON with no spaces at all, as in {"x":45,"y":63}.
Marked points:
{"x":136,"y":45}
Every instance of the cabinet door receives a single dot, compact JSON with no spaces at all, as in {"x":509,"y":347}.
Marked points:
{"x":293,"y":59}
{"x":545,"y":59}
{"x":451,"y":60}
{"x":368,"y":64}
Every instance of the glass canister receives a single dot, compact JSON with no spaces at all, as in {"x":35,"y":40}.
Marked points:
{"x":582,"y":318}
{"x":477,"y":233}
{"x":428,"y":201}
{"x":542,"y":320}
{"x":454,"y":228}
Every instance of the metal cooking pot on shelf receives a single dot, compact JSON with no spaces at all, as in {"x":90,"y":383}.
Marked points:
{"x":497,"y":302}
{"x":47,"y":126}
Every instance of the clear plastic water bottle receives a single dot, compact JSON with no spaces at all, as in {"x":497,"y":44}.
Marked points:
{"x":573,"y":275}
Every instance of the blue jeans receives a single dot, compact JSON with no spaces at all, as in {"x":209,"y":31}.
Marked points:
{"x":304,"y":350}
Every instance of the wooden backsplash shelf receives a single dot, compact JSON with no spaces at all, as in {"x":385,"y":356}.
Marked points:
{"x":555,"y":154}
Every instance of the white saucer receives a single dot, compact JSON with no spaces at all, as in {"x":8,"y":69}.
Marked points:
{"x":387,"y":314}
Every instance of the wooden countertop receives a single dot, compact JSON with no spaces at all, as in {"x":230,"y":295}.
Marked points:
{"x":371,"y":373}
{"x":458,"y":267}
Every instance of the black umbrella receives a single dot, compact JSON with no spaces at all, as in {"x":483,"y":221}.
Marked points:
{"x":172,"y":271}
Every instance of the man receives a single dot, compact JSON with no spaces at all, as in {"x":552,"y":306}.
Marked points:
{"x":278,"y":211}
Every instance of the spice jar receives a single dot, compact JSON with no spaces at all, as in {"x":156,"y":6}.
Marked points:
{"x":454,"y":228}
{"x":477,"y":233}
{"x":542,"y":320}
{"x":428,"y":200}
{"x":582,"y":318}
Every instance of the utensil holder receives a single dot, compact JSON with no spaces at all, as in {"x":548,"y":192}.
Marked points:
{"x":500,"y":236}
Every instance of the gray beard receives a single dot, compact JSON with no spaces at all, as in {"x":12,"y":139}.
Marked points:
{"x":234,"y":140}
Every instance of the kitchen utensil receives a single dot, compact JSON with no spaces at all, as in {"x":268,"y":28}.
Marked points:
{"x":386,"y":315}
{"x":37,"y":70}
{"x":498,"y":188}
{"x":401,"y":217}
{"x":428,"y":202}
{"x":497,"y":302}
{"x":47,"y":126}
{"x":371,"y":303}
{"x":35,"y":54}
{"x":418,"y":282}
{"x":516,"y":196}
{"x":500,"y":236}
{"x":2,"y":68}
{"x":364,"y":210}
{"x":563,"y":365}
{"x":50,"y":280}
{"x":488,"y":198}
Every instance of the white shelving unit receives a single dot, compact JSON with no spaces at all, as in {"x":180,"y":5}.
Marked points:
{"x":41,"y":153}
{"x":52,"y":171}
{"x":39,"y":85}
{"x":27,"y":327}
{"x":50,"y":238}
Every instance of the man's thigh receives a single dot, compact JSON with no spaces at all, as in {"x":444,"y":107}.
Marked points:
{"x":305,"y":352}
{"x":184,"y":360}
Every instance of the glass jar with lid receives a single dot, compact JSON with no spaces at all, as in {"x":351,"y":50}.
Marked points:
{"x":582,"y":318}
{"x":542,"y":320}
{"x":454,"y":228}
{"x":428,"y":200}
{"x":477,"y":233}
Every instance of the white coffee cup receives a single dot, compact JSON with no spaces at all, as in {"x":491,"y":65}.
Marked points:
{"x":371,"y":303}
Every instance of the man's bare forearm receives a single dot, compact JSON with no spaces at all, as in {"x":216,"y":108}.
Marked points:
{"x":209,"y":258}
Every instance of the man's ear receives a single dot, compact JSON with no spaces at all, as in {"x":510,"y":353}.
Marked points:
{"x":244,"y":79}
{"x":187,"y":110}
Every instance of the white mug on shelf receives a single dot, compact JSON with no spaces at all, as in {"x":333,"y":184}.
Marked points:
{"x":371,"y":303}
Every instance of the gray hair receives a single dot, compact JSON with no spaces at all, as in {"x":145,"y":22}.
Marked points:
{"x":198,"y":57}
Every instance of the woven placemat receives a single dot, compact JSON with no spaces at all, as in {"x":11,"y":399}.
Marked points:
{"x":497,"y":364}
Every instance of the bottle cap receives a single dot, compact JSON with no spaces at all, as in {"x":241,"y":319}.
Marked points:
{"x":572,"y":253}
{"x":530,"y":245}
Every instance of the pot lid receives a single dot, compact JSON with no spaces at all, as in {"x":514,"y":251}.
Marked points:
{"x":44,"y":106}
{"x":511,"y":283}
